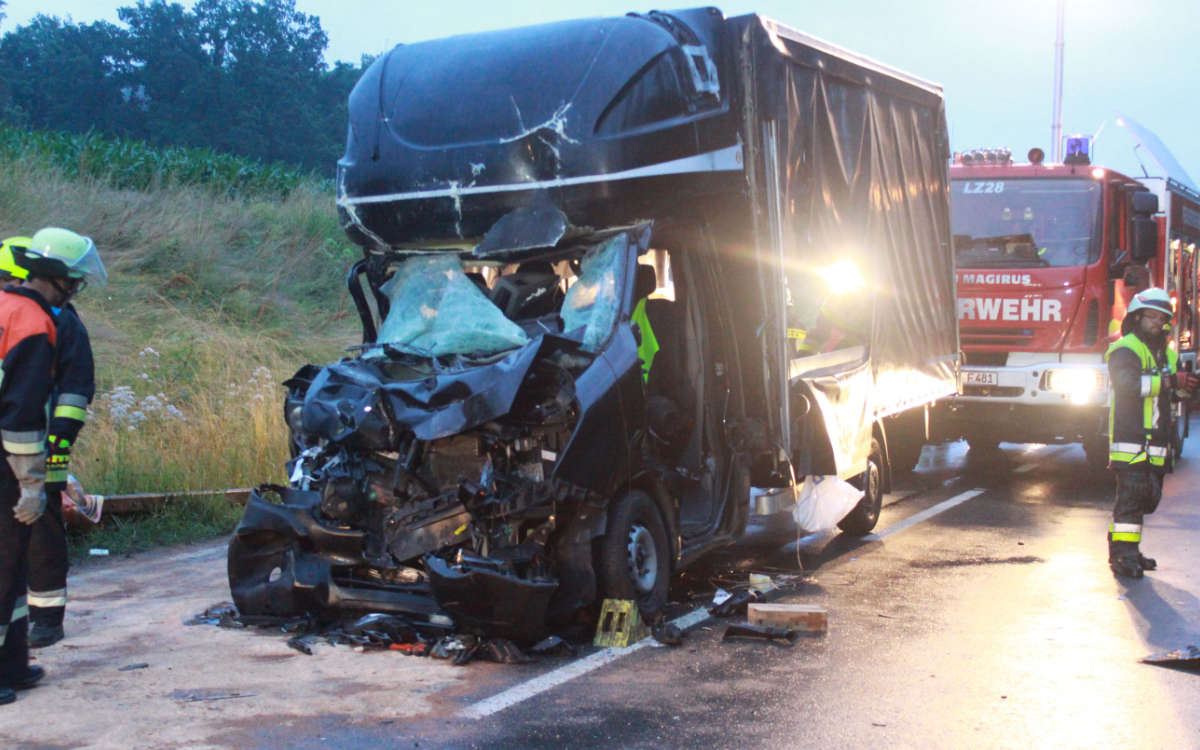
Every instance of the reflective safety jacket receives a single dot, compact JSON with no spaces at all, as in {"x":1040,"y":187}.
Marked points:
{"x":74,"y":386}
{"x":1139,"y":418}
{"x":27,"y":340}
{"x":648,"y":346}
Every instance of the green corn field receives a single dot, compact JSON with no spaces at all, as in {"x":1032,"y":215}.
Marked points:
{"x":136,"y":165}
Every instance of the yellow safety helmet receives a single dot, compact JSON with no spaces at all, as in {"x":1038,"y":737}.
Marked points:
{"x":60,"y":253}
{"x":8,"y":262}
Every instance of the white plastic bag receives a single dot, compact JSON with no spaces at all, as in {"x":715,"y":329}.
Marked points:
{"x":822,"y":501}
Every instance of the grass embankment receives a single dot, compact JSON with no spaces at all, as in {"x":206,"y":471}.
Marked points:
{"x":216,"y":295}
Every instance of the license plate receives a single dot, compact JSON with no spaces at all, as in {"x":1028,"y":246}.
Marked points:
{"x":971,"y":377}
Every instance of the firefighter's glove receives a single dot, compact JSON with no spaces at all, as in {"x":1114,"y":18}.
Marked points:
{"x":58,"y":461}
{"x":30,"y":472}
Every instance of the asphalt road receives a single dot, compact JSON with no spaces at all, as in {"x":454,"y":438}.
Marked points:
{"x":981,"y":619}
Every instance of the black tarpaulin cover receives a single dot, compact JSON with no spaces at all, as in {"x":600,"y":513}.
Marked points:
{"x":862,"y":162}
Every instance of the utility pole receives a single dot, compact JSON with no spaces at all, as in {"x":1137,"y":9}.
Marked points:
{"x":1056,"y":123}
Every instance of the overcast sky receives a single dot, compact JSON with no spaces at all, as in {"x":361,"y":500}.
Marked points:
{"x":994,"y":58}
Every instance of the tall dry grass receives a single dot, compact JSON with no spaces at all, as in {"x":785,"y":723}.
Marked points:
{"x":212,"y":302}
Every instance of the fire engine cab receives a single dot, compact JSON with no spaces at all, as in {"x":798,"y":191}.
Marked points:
{"x":1048,"y":257}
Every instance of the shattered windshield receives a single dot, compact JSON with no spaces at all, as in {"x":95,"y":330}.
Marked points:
{"x":437,"y":310}
{"x":1025,"y":223}
{"x":594,"y":300}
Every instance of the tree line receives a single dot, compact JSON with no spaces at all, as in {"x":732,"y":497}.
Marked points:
{"x":246,"y":77}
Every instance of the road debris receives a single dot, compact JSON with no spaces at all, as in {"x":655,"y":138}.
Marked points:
{"x":784,"y":636}
{"x":131,"y":667}
{"x":1181,"y":658}
{"x":735,"y":604}
{"x":667,"y":634}
{"x":195,"y":696}
{"x":807,"y":617}
{"x":222,"y":614}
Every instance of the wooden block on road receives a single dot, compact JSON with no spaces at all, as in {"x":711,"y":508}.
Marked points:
{"x":806,"y":617}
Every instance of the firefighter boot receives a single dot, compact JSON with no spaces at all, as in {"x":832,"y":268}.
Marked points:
{"x":1123,"y":559}
{"x":44,"y":634}
{"x":1147,"y":563}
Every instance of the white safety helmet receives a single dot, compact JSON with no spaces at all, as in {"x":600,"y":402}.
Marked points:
{"x":1154,"y":298}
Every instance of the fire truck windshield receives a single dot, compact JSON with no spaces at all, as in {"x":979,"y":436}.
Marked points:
{"x":1025,"y":223}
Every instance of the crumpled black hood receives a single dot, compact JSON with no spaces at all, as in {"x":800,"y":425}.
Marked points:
{"x":344,"y":402}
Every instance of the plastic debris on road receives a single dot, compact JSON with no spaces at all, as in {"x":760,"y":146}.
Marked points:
{"x":1181,"y":658}
{"x":783,"y":636}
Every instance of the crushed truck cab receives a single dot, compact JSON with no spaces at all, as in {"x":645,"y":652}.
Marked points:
{"x":614,"y":272}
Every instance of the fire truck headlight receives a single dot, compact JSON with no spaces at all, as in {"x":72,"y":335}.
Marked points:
{"x":1078,"y":384}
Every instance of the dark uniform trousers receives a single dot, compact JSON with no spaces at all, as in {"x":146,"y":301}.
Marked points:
{"x":1138,"y":493}
{"x":48,"y":567}
{"x":14,"y":612}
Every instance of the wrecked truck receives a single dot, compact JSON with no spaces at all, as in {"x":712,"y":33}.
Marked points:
{"x":615,"y":272}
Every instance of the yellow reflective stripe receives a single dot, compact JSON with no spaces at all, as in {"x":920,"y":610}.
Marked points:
{"x":70,"y":412}
{"x":56,"y":598}
{"x":1118,"y":536}
{"x":1155,"y":385}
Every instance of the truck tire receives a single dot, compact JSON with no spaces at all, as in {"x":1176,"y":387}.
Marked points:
{"x":982,"y":443}
{"x":865,"y":515}
{"x":635,"y":555}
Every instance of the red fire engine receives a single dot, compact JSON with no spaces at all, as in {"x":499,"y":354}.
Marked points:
{"x":1048,"y":257}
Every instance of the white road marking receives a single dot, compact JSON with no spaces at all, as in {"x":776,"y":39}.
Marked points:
{"x":924,"y":515}
{"x":591,"y":662}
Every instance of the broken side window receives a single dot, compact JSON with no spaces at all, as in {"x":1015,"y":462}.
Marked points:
{"x":594,"y":300}
{"x":436,"y":309}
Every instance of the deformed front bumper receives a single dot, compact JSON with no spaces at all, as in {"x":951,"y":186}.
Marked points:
{"x":284,"y":563}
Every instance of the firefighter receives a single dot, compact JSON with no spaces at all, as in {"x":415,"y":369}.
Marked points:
{"x":74,"y":386}
{"x":1144,"y":377}
{"x":59,"y":264}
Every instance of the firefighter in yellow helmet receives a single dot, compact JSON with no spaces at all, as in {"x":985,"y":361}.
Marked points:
{"x":9,"y":270}
{"x":1144,"y":374}
{"x":59,"y":263}
{"x":74,"y":387}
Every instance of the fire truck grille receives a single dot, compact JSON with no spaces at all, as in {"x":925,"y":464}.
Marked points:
{"x":997,"y":337}
{"x":995,"y":391}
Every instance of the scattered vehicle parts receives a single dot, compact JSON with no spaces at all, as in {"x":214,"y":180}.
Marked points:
{"x":667,"y":634}
{"x":1180,"y":658}
{"x":735,"y":604}
{"x":759,"y":632}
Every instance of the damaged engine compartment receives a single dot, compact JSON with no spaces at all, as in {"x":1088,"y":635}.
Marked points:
{"x":459,"y":468}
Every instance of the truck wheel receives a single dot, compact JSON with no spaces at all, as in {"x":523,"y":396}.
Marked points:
{"x":635,"y":557}
{"x":982,"y":443}
{"x":865,"y":515}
